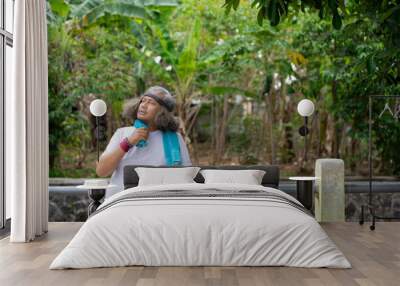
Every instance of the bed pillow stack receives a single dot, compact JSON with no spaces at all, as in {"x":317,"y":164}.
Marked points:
{"x":185,"y":175}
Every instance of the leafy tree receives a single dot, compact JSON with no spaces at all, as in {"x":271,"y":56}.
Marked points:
{"x":237,"y":81}
{"x":276,"y":10}
{"x":91,"y":53}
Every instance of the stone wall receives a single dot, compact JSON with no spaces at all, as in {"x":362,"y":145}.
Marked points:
{"x":387,"y":205}
{"x":72,"y":205}
{"x":68,"y":205}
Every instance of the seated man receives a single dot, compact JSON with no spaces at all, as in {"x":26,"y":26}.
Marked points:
{"x":155,"y":109}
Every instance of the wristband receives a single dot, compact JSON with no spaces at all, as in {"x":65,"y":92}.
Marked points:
{"x":125,"y":145}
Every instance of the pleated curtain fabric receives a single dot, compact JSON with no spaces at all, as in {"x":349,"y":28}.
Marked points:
{"x":28,"y":155}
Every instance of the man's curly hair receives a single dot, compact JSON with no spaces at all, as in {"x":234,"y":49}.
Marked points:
{"x":164,"y":119}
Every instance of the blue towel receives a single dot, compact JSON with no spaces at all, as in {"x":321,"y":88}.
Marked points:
{"x":171,"y":144}
{"x":172,"y":149}
{"x":140,"y":124}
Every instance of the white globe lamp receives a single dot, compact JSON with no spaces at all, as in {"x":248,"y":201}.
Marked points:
{"x":305,"y":108}
{"x":98,"y":108}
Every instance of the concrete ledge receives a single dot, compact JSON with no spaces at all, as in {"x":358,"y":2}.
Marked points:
{"x":70,"y":204}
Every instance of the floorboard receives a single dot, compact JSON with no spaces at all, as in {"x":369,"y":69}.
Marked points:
{"x":374,"y":255}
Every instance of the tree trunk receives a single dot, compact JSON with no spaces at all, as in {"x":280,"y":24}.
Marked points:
{"x":213,"y":127}
{"x":268,"y":118}
{"x":224,"y":127}
{"x":323,"y":125}
{"x":336,"y":140}
{"x":216,"y":129}
{"x":195,"y":149}
{"x":271,"y":120}
{"x":287,"y":112}
{"x":221,"y":130}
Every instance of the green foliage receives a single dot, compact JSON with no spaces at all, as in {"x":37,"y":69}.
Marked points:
{"x":92,"y":10}
{"x":224,"y":90}
{"x":59,"y":7}
{"x":335,"y":55}
{"x":246,"y":142}
{"x":276,"y":10}
{"x":62,"y":56}
{"x":89,"y":11}
{"x":186,"y":66}
{"x":97,"y":60}
{"x":385,"y":135}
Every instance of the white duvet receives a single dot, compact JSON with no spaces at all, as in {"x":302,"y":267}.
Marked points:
{"x":200,"y":231}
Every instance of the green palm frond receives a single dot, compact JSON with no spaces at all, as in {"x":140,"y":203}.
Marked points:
{"x":91,"y":10}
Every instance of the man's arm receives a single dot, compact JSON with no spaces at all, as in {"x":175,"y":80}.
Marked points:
{"x":113,"y":154}
{"x":109,"y":162}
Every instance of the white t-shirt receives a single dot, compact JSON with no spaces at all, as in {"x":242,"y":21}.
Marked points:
{"x":152,"y":154}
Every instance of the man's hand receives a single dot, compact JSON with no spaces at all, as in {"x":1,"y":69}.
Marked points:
{"x":138,"y":134}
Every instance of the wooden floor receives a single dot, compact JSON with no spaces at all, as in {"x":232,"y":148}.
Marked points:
{"x":374,"y":255}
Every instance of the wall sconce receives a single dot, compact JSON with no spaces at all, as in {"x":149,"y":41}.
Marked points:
{"x":305,"y":108}
{"x":98,"y":108}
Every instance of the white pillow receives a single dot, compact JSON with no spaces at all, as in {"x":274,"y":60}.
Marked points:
{"x":162,"y":176}
{"x":249,"y":177}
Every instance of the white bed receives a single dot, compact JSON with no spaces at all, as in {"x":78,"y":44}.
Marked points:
{"x":206,"y":230}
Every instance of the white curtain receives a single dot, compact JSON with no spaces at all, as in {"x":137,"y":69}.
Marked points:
{"x":27,"y":124}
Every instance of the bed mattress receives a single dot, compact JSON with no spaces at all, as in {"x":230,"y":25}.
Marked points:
{"x":201,"y":225}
